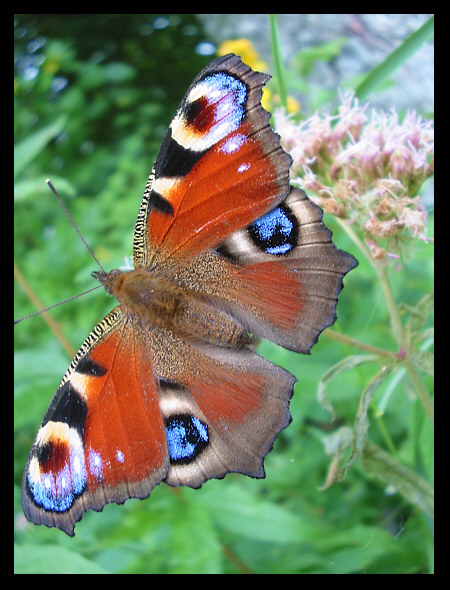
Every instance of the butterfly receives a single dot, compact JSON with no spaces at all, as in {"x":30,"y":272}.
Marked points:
{"x":168,"y":386}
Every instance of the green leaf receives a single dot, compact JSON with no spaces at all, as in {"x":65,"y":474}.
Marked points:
{"x":118,"y":72}
{"x":305,"y":60}
{"x":231,"y":506}
{"x":362,"y":421}
{"x":30,"y":147}
{"x":424,"y":361}
{"x":192,"y":521}
{"x":280,"y":75}
{"x":384,"y":70}
{"x":347,"y":364}
{"x":45,"y":559}
{"x":36,"y":377}
{"x":415,"y":489}
{"x":337,"y":441}
{"x":30,"y":187}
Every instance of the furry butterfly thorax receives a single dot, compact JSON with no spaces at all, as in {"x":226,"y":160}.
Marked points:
{"x":168,"y":386}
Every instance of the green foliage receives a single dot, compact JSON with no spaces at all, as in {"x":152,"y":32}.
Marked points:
{"x":394,"y":60}
{"x":93,"y":97}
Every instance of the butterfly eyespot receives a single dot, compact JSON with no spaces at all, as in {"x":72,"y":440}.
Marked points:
{"x":196,"y":108}
{"x":57,"y":473}
{"x":214,"y":108}
{"x":276,"y":232}
{"x":187,"y":437}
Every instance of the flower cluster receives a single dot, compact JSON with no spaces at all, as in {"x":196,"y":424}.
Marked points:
{"x":365,"y":168}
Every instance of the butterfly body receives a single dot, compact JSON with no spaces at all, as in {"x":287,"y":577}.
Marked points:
{"x":168,"y":386}
{"x":158,"y":300}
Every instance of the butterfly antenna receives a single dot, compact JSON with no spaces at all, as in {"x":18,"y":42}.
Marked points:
{"x":30,"y":315}
{"x":74,"y":225}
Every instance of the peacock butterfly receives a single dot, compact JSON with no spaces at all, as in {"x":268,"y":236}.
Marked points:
{"x":168,"y":386}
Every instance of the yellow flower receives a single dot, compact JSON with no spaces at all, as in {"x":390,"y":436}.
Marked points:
{"x":271,"y":101}
{"x":293,"y":106}
{"x":266,"y":100}
{"x":244,"y":48}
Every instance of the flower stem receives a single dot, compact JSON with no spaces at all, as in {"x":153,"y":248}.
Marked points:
{"x":278,"y":59}
{"x":357,"y":344}
{"x":394,"y":314}
{"x":421,"y":390}
{"x":396,"y":324}
{"x":355,"y":238}
{"x":52,"y":324}
{"x":399,"y":334}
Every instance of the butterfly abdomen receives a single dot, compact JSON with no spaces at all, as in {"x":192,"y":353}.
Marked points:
{"x":199,"y":321}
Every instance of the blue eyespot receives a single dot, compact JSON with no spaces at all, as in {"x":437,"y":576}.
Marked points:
{"x":276,"y":232}
{"x":187,"y":436}
{"x":57,"y":475}
{"x":221,"y":83}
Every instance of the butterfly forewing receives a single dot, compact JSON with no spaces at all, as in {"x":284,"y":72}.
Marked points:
{"x":220,"y":167}
{"x":102,"y":439}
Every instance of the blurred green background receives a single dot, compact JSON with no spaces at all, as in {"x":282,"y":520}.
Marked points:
{"x":94,"y":95}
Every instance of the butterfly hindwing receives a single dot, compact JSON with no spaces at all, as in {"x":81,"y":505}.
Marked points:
{"x":124,"y":418}
{"x":290,"y":273}
{"x":222,"y":409}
